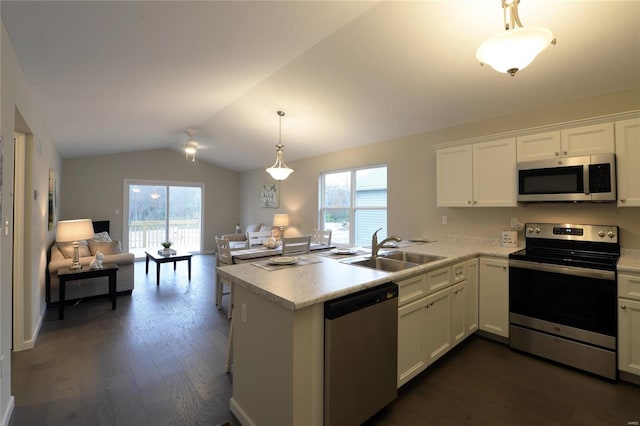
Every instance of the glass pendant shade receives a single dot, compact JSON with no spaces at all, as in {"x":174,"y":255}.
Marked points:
{"x":279,"y":170}
{"x":513,"y":50}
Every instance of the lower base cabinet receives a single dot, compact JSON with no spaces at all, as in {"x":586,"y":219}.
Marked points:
{"x":629,"y":323}
{"x":437,"y":310}
{"x":494,"y":296}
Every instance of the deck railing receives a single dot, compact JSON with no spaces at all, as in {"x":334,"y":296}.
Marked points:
{"x":185,"y":234}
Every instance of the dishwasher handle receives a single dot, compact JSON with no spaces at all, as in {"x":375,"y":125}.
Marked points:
{"x":354,"y":302}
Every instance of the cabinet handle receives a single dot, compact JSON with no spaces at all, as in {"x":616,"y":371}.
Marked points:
{"x":564,"y":152}
{"x":475,"y":202}
{"x":623,"y":200}
{"x":468,"y":201}
{"x":557,"y":154}
{"x":623,"y":306}
{"x":504,"y":268}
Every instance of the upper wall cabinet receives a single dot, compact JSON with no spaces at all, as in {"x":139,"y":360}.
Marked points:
{"x":585,"y":140}
{"x":477,"y":175}
{"x":628,"y":162}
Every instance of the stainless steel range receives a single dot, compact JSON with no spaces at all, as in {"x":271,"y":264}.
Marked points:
{"x":562,"y":295}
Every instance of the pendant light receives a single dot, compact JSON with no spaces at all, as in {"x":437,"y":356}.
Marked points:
{"x":279,"y":170}
{"x":191,"y":146}
{"x":517,"y":47}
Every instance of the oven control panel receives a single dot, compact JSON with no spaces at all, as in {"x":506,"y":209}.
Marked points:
{"x":567,"y":231}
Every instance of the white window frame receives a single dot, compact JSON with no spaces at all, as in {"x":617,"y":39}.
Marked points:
{"x":352,"y":207}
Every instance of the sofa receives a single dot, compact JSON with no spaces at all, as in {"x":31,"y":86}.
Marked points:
{"x":61,"y":256}
{"x":239,"y":241}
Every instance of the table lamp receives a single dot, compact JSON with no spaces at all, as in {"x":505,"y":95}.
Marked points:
{"x":74,"y":230}
{"x":281,"y":220}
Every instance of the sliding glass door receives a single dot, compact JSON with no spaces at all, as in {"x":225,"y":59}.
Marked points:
{"x":159,"y":211}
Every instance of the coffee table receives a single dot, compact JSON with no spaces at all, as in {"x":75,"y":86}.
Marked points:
{"x":164,"y":258}
{"x":66,"y":274}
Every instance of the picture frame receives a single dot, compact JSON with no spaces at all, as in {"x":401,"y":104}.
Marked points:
{"x":270,"y":196}
{"x":53,"y":199}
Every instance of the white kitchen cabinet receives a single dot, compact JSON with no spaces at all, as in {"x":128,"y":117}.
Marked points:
{"x":454,"y":176}
{"x":458,"y":312}
{"x":438,"y":321}
{"x":628,"y":162}
{"x":539,"y":146}
{"x":588,"y":140}
{"x":577,"y":141}
{"x":477,"y":175}
{"x":494,"y":296}
{"x":629,"y":323}
{"x":411,"y":340}
{"x":471,"y":315}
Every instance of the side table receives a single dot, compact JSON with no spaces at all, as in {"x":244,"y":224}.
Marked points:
{"x":109,"y":270}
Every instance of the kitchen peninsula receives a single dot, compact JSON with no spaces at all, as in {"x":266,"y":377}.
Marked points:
{"x":278,"y":334}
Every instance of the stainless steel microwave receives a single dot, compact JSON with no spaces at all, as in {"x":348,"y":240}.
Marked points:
{"x":585,"y":178}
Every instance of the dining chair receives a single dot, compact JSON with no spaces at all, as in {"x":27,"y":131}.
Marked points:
{"x":257,"y":238}
{"x":223,"y":257}
{"x":292,"y":246}
{"x":319,"y":236}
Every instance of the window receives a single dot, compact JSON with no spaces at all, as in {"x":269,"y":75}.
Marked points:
{"x":353,"y":204}
{"x":159,"y":211}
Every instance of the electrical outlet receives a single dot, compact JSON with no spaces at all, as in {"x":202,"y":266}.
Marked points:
{"x":444,"y":220}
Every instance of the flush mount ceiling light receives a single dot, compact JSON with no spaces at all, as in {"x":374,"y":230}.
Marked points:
{"x":279,"y":170}
{"x":514,"y":49}
{"x":191,"y":146}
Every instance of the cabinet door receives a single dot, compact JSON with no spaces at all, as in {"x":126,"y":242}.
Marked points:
{"x":628,"y":162}
{"x":411,"y":340}
{"x":587,"y":140}
{"x":454,"y":176}
{"x":494,"y":174}
{"x":458,"y":312}
{"x":629,"y":336}
{"x":540,"y":146}
{"x":438,"y":324}
{"x":494,"y":296}
{"x":471,"y":316}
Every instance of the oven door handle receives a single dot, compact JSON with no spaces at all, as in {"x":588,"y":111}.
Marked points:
{"x":565,"y":270}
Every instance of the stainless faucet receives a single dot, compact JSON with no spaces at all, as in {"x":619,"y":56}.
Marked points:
{"x":375,"y":246}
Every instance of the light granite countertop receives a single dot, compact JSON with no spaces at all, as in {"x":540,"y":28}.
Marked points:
{"x":629,"y":261}
{"x":297,"y":287}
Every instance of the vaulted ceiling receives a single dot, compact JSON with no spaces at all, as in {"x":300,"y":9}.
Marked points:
{"x":121,"y":76}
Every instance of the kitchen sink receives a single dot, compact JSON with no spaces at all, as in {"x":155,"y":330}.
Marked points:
{"x":404,"y":256}
{"x":382,"y":264}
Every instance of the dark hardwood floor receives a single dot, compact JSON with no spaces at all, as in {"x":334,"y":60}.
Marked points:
{"x":158,"y":359}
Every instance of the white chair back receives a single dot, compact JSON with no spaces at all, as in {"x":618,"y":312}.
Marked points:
{"x":223,"y":252}
{"x":292,"y":246}
{"x":321,"y":237}
{"x":257,"y":238}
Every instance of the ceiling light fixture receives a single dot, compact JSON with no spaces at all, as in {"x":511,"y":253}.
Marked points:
{"x":514,"y":49}
{"x":279,"y":170}
{"x":191,"y":146}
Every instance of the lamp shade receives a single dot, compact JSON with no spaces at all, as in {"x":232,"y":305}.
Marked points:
{"x":281,"y":219}
{"x":511,"y":51}
{"x":74,"y":230}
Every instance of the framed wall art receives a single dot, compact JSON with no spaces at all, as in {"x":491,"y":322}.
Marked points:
{"x":270,"y":196}
{"x":53,"y":199}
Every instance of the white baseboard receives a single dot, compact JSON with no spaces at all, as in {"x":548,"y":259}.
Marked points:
{"x":240,"y":414}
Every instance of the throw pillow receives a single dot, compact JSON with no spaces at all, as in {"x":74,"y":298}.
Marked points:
{"x":106,"y":247}
{"x":102,"y":236}
{"x":67,"y":249}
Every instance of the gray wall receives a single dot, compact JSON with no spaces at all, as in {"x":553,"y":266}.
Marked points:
{"x":412,"y":210}
{"x":92,"y":187}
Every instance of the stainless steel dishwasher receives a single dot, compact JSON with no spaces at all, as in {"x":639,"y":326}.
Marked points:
{"x":360,"y":354}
